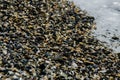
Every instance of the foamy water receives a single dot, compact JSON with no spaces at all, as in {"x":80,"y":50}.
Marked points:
{"x":107,"y":14}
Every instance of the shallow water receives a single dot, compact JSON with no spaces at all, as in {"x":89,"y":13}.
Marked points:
{"x":107,"y":14}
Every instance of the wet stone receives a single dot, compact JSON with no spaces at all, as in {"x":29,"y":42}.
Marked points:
{"x":118,"y":55}
{"x":115,"y":38}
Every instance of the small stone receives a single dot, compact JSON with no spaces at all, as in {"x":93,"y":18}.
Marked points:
{"x":77,"y":76}
{"x":24,"y":73}
{"x":20,"y":79}
{"x":103,"y":71}
{"x":0,"y":62}
{"x":17,"y":74}
{"x":15,"y":77}
{"x":74,"y":65}
{"x":4,"y":51}
{"x":7,"y":79}
{"x":118,"y":75}
{"x":45,"y":78}
{"x":10,"y":73}
{"x":1,"y":14}
{"x":96,"y":77}
{"x":115,"y":38}
{"x":111,"y":78}
{"x":1,"y":75}
{"x":63,"y":74}
{"x":118,"y":55}
{"x":80,"y":61}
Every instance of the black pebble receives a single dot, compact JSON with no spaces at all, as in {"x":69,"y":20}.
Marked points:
{"x":4,"y":71}
{"x":42,"y":66}
{"x":39,"y":39}
{"x":115,"y":38}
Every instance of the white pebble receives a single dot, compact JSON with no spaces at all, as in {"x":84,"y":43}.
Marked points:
{"x":74,"y":65}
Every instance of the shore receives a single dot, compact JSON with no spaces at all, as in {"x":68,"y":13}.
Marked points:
{"x":51,"y":40}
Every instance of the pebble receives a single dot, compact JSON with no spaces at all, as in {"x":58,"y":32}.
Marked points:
{"x":74,"y":65}
{"x":4,"y":51}
{"x":115,"y":38}
{"x":10,"y":73}
{"x":8,"y":79}
{"x":63,"y":75}
{"x":44,"y":78}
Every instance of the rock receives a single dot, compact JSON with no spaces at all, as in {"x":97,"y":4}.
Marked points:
{"x":74,"y":65}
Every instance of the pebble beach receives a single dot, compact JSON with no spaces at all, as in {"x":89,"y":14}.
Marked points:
{"x":52,"y":40}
